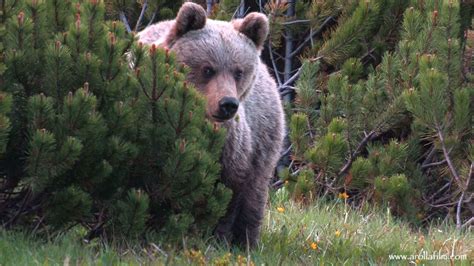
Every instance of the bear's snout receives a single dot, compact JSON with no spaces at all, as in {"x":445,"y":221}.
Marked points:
{"x":227,"y":108}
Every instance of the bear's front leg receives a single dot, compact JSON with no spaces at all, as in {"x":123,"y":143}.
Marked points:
{"x":223,"y":230}
{"x":246,"y":227}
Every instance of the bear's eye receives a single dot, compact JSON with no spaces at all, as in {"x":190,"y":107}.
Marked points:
{"x":238,"y":74}
{"x":208,"y":72}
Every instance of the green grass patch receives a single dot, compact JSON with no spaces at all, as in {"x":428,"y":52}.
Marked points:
{"x":325,"y":233}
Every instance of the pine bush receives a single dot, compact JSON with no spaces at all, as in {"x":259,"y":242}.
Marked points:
{"x":90,"y":136}
{"x":399,"y":134}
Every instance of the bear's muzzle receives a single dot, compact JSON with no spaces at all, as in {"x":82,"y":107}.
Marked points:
{"x":228,"y":106}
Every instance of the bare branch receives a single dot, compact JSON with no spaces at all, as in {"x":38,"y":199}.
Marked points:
{"x":424,"y":166}
{"x":469,"y":176}
{"x":287,"y":151}
{"x":124,"y":19}
{"x":260,"y":6}
{"x":240,"y":11}
{"x":294,"y":77}
{"x":289,"y":41}
{"x":446,"y":156}
{"x":142,"y":14}
{"x":38,"y":224}
{"x":151,"y":19}
{"x":275,"y":69}
{"x":359,"y":148}
{"x":430,"y":155}
{"x":25,"y":200}
{"x":439,"y":191}
{"x":469,"y":222}
{"x":209,"y":4}
{"x":448,"y":204}
{"x":278,"y":184}
{"x":369,"y":54}
{"x":311,"y":36}
{"x":458,"y":210}
{"x":296,"y":21}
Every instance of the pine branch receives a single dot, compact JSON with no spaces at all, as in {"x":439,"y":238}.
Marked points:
{"x":144,"y":89}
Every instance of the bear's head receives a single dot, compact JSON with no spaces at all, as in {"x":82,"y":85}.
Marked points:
{"x":223,"y":57}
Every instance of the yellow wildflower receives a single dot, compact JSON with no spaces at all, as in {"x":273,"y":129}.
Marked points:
{"x":314,"y":245}
{"x":337,"y":233}
{"x":195,"y":256}
{"x":343,"y":195}
{"x":417,"y":261}
{"x":281,"y":209}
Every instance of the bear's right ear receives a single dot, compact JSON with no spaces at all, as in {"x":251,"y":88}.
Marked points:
{"x":190,"y":17}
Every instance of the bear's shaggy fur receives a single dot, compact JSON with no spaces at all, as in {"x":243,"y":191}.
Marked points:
{"x":223,"y":58}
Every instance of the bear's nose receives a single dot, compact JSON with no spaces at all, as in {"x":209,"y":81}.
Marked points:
{"x":228,"y":107}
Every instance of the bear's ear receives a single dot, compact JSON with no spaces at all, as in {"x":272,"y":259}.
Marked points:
{"x":190,"y":17}
{"x":255,"y":26}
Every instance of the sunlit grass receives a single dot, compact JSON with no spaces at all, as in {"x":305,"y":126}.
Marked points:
{"x":292,"y":234}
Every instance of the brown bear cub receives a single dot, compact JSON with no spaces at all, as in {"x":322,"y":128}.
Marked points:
{"x":223,"y":58}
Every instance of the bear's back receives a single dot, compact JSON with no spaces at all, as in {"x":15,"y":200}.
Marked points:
{"x":156,"y":33}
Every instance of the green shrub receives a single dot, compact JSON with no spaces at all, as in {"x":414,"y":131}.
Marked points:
{"x":88,"y":140}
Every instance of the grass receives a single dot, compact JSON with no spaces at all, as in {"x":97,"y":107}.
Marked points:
{"x":325,"y":233}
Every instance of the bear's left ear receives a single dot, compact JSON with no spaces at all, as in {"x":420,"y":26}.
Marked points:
{"x":190,"y":17}
{"x":254,"y":26}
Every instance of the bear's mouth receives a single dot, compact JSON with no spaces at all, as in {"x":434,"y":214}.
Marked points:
{"x":220,"y":119}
